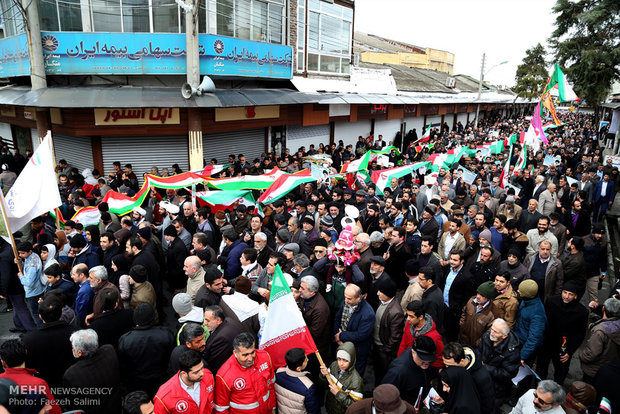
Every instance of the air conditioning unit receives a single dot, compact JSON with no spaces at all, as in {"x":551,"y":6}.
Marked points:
{"x":450,"y":82}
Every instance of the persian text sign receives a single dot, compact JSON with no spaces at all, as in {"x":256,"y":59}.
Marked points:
{"x":14,"y":60}
{"x":161,"y":53}
{"x":139,"y":116}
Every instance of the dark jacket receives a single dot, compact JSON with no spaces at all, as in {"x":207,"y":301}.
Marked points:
{"x":144,"y":353}
{"x":565,"y":320}
{"x":460,"y":291}
{"x":359,"y":331}
{"x":233,"y":265}
{"x":146,"y":259}
{"x":317,"y":317}
{"x":595,"y":255}
{"x":574,"y":268}
{"x":108,"y":255}
{"x":408,"y":377}
{"x":50,"y":351}
{"x":432,"y":298}
{"x":205,"y":297}
{"x":111,"y":325}
{"x":394,"y":264}
{"x":554,"y":276}
{"x":530,"y":326}
{"x":219,"y":347}
{"x":89,"y":257}
{"x":366,"y":406}
{"x":430,"y":228}
{"x":482,"y":380}
{"x":502,"y":361}
{"x":80,"y":375}
{"x":175,"y":258}
{"x":528,"y":220}
{"x":583,"y":225}
{"x":391,"y":328}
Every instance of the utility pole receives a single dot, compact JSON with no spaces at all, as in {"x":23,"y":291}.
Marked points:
{"x":192,"y":60}
{"x":479,"y":90}
{"x":38,"y":79}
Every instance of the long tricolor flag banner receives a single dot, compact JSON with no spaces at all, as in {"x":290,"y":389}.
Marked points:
{"x":211,"y":170}
{"x":285,"y":184}
{"x":382,"y":178}
{"x":247,"y":182}
{"x":285,"y":327}
{"x":226,"y":198}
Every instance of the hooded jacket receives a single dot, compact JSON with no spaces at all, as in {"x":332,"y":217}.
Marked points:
{"x":602,"y":347}
{"x":349,"y":381}
{"x":51,"y":256}
{"x":359,"y":331}
{"x":429,"y":329}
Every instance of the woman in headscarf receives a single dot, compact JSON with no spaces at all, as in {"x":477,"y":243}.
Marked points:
{"x":120,"y":277}
{"x":48,"y":255}
{"x":459,"y":391}
{"x":62,"y":247}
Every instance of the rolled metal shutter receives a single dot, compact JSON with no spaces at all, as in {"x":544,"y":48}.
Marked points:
{"x":299,"y":136}
{"x":449,"y":119}
{"x":462,"y":118}
{"x":7,"y":135}
{"x":387,"y":128}
{"x":349,"y":132}
{"x":249,"y":142}
{"x":77,"y":151}
{"x":35,"y":139}
{"x":434,"y":120}
{"x":145,"y":152}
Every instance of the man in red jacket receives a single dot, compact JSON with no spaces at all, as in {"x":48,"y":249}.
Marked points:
{"x":189,"y":391}
{"x":13,"y":356}
{"x":420,"y":323}
{"x":245,"y":383}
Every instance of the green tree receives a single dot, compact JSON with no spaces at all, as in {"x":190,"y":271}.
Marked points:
{"x":585,"y":42}
{"x":532,"y":73}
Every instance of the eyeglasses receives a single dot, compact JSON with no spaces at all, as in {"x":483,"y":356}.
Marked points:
{"x":536,"y":397}
{"x":319,"y":251}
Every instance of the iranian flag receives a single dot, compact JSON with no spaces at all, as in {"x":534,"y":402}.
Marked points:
{"x":284,"y":185}
{"x":211,"y":170}
{"x":247,"y":182}
{"x":382,"y":178}
{"x":426,"y":136}
{"x":503,"y":178}
{"x":186,"y":179}
{"x":497,"y":147}
{"x":558,"y":85}
{"x":87,"y":216}
{"x":522,"y":161}
{"x":221,"y":200}
{"x":285,"y":327}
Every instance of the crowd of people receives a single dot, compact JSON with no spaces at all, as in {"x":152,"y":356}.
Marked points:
{"x":429,"y":295}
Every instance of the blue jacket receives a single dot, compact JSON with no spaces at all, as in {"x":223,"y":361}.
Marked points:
{"x":359,"y":331}
{"x":530,"y":326}
{"x":89,"y":257}
{"x":84,"y":301}
{"x":233,"y":265}
{"x":31,"y":277}
{"x":610,"y":193}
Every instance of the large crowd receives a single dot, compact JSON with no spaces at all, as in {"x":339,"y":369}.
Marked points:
{"x":435,"y":294}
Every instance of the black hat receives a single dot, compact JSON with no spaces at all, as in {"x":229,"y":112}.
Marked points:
{"x":144,"y":314}
{"x":321,"y":243}
{"x":378,"y":260}
{"x":145,"y":232}
{"x":170,"y":231}
{"x":106,"y":217}
{"x":515,"y":252}
{"x":387,"y":287}
{"x":425,"y":348}
{"x":138,"y":273}
{"x":373,"y":207}
{"x":412,"y":267}
{"x":571,"y":286}
{"x":308,"y":219}
{"x":77,"y":241}
{"x":598,"y":228}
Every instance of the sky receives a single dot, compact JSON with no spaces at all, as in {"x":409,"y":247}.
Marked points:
{"x":503,"y":29}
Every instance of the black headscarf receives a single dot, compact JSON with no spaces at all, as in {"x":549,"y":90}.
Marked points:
{"x":462,"y":398}
{"x":122,"y":266}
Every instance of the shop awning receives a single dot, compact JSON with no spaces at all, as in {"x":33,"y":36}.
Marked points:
{"x":138,"y":97}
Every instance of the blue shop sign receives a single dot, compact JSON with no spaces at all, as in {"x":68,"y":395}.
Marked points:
{"x":89,"y":53}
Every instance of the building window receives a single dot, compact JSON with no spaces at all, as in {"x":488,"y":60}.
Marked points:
{"x":259,"y":20}
{"x":57,"y":15}
{"x":329,"y":36}
{"x":12,"y":19}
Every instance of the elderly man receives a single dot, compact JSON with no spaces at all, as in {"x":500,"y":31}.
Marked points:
{"x":354,"y":322}
{"x":547,"y":397}
{"x":92,"y":358}
{"x":510,"y":209}
{"x":98,"y":279}
{"x":219,"y":344}
{"x":529,"y":217}
{"x":546,"y":270}
{"x":478,"y":315}
{"x":602,"y":346}
{"x":499,"y":351}
{"x":315,"y":311}
{"x":548,"y":200}
{"x":260,"y":244}
{"x":195,"y":275}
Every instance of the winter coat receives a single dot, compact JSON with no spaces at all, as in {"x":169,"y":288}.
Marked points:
{"x":530,"y":326}
{"x":408,"y":377}
{"x":350,"y":381}
{"x":502,"y":361}
{"x":473,"y":324}
{"x":432,"y":299}
{"x":565,"y":320}
{"x":554,"y":276}
{"x":359,"y":331}
{"x":295,"y":393}
{"x":603,"y":346}
{"x":505,"y":306}
{"x":429,"y":329}
{"x":482,"y":380}
{"x":518,"y":273}
{"x":316,"y":315}
{"x":595,"y":255}
{"x":574,"y":268}
{"x":391,"y":328}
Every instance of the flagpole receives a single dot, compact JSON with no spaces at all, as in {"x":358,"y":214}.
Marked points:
{"x":8,"y":229}
{"x":49,"y":132}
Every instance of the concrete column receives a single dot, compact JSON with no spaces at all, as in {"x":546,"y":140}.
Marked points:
{"x":196,"y":158}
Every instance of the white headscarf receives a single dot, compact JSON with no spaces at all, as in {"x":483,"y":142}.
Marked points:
{"x":51,"y":256}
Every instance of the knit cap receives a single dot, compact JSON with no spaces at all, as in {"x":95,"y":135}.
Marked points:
{"x":528,"y":289}
{"x":487,"y":289}
{"x":182,"y":303}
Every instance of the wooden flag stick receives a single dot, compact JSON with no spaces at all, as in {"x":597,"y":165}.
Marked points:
{"x":8,"y":229}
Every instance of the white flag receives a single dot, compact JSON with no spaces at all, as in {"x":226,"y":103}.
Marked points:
{"x":35,"y":191}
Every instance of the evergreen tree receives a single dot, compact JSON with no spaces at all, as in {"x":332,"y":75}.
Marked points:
{"x":585,"y":42}
{"x":532,"y":73}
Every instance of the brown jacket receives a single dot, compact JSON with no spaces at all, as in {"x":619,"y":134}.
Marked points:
{"x":506,"y":305}
{"x":391,"y":328}
{"x":554,"y":277}
{"x":317,"y":318}
{"x":473,"y":324}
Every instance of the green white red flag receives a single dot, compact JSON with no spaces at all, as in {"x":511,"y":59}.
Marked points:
{"x":285,"y":184}
{"x":285,"y":327}
{"x":425,"y":137}
{"x":247,"y":182}
{"x":382,"y":178}
{"x":220,"y":200}
{"x":87,"y":216}
{"x":211,"y":170}
{"x":558,"y":84}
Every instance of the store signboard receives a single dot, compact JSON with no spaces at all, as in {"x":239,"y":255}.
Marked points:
{"x":87,"y":53}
